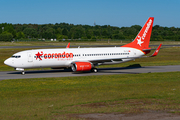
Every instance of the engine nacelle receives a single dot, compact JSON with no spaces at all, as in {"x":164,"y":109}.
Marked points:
{"x":81,"y":66}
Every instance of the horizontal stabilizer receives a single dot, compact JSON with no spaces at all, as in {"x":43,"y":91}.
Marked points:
{"x":156,"y":51}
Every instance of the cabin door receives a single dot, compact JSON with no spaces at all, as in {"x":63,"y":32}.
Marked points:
{"x":30,"y":57}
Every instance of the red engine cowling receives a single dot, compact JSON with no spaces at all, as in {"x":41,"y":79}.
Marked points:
{"x":81,"y":66}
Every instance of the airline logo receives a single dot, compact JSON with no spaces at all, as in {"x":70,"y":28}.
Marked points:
{"x":139,"y":42}
{"x":38,"y":55}
{"x":140,"y":38}
{"x":62,"y":56}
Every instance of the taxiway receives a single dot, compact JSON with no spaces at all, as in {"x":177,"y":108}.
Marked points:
{"x":101,"y":71}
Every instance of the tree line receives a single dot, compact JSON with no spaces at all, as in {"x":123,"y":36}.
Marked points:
{"x":60,"y":31}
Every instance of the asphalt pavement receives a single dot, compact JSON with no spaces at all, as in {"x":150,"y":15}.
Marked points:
{"x":101,"y":71}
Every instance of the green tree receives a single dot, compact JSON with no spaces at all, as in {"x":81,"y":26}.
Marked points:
{"x":5,"y":36}
{"x":58,"y":31}
{"x":118,"y":36}
{"x":49,"y":33}
{"x":77,"y":32}
{"x":137,"y":27}
{"x":65,"y":32}
{"x":20,"y":35}
{"x":30,"y":33}
{"x":105,"y":33}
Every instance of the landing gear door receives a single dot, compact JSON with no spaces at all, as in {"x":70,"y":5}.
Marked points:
{"x":30,"y":57}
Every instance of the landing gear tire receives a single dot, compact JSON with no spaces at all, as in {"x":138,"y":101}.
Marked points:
{"x":94,"y":70}
{"x":23,"y":72}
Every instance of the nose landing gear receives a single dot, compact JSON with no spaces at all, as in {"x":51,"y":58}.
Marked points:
{"x":23,"y":72}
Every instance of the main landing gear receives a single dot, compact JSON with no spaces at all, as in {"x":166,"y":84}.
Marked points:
{"x":94,"y":70}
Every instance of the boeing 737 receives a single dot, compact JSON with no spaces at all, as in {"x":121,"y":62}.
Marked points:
{"x":84,"y":59}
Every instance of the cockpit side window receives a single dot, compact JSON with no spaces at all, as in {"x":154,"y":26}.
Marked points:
{"x":16,"y":56}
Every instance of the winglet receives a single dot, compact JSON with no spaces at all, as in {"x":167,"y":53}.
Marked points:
{"x":156,"y":51}
{"x":68,"y":45}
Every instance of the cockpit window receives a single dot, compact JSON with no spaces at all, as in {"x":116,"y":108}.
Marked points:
{"x":16,"y":56}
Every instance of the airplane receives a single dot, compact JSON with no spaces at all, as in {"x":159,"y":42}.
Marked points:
{"x":84,"y":59}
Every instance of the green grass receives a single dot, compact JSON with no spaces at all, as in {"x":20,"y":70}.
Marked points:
{"x":59,"y":98}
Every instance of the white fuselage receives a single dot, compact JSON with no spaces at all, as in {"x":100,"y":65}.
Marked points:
{"x":59,"y":58}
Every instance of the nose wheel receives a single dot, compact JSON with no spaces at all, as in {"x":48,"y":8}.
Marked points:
{"x":23,"y":72}
{"x":21,"y":69}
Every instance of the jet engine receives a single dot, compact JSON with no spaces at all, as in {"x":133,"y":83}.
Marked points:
{"x":81,"y":66}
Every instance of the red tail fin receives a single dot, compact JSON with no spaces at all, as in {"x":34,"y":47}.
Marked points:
{"x":142,"y":39}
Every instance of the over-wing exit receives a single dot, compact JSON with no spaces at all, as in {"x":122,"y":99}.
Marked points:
{"x":84,"y":59}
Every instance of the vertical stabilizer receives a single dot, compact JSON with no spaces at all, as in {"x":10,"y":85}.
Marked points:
{"x":142,"y":39}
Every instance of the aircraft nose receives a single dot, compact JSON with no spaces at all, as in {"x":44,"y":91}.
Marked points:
{"x":8,"y":62}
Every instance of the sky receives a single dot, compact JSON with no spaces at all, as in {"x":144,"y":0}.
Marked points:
{"x":119,"y":13}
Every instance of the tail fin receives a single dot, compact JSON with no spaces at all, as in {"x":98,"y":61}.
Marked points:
{"x":142,"y":39}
